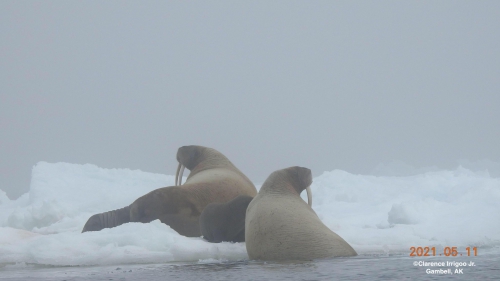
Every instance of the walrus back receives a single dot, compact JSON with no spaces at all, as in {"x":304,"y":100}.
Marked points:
{"x":217,"y":186}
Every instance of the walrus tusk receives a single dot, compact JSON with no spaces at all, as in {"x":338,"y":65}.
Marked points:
{"x":177,"y":174}
{"x":309,"y":196}
{"x":182,"y":172}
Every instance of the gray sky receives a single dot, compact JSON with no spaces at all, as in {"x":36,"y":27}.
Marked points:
{"x":271,"y":84}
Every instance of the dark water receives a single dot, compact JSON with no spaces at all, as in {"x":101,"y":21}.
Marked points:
{"x":363,"y":267}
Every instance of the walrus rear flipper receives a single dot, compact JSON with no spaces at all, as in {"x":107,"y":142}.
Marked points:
{"x":107,"y":220}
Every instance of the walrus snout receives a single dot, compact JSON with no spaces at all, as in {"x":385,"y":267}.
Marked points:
{"x":305,"y":175}
{"x":301,"y":177}
{"x":302,"y":180}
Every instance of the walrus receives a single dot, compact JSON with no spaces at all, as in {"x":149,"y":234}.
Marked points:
{"x":279,"y":225}
{"x":225,"y":221}
{"x":213,"y":179}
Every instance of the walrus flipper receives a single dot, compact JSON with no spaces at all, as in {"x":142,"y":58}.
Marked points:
{"x":108,"y":219}
{"x":225,"y":222}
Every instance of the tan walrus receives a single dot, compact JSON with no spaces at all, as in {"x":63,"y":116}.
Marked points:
{"x":213,"y":179}
{"x":279,"y":225}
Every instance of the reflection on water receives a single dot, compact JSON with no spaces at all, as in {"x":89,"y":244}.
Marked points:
{"x":364,"y":267}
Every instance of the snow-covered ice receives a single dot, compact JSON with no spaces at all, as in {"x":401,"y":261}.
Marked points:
{"x":375,"y":214}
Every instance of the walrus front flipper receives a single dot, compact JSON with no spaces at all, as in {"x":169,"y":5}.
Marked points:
{"x":236,"y":219}
{"x":107,"y":220}
{"x":225,"y":221}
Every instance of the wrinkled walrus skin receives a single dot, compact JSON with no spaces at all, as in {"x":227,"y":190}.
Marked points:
{"x":213,"y":179}
{"x":279,"y":225}
{"x":225,"y":222}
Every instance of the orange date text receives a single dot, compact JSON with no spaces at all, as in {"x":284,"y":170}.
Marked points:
{"x":447,"y":252}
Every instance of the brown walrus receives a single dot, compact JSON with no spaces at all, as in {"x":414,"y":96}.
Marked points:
{"x":213,"y":179}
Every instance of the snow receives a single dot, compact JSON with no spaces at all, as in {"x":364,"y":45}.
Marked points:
{"x":375,"y":214}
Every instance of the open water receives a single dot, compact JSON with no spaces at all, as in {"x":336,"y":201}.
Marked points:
{"x":364,"y":267}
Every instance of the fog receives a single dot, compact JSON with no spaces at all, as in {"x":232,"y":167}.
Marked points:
{"x":322,"y":84}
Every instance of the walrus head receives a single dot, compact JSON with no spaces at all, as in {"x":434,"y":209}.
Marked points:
{"x":188,"y":157}
{"x":198,"y":158}
{"x":293,"y":178}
